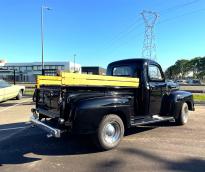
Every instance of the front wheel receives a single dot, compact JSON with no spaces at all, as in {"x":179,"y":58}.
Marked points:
{"x":184,"y":114}
{"x":110,"y":132}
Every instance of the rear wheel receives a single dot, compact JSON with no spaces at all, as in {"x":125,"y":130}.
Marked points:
{"x":20,"y":95}
{"x":184,"y":114}
{"x":110,"y":132}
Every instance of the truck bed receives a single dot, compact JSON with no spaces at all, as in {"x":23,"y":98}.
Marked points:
{"x":73,"y":79}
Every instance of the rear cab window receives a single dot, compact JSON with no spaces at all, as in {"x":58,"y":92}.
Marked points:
{"x":122,"y":71}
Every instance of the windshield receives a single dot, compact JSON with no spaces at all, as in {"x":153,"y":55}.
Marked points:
{"x":4,"y":84}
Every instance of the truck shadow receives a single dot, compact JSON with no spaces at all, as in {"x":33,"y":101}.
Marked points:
{"x":151,"y":161}
{"x":18,"y":144}
{"x":135,"y":130}
{"x":189,"y":164}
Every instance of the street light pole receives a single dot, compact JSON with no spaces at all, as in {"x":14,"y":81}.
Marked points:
{"x":42,"y":41}
{"x":74,"y":61}
{"x":42,"y":36}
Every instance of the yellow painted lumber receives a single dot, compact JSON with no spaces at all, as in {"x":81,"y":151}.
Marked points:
{"x":73,"y":79}
{"x":48,"y":80}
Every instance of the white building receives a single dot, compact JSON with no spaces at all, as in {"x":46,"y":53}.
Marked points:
{"x":27,"y":72}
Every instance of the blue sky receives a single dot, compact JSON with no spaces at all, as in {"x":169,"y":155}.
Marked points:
{"x":99,"y":32}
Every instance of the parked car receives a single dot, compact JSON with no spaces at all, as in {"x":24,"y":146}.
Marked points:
{"x":8,"y":91}
{"x":194,"y":82}
{"x":172,"y":85}
{"x":181,"y":81}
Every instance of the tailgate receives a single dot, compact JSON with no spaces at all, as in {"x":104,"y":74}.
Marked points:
{"x":48,"y":101}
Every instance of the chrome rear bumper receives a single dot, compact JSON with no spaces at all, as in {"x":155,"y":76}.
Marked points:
{"x":52,"y":131}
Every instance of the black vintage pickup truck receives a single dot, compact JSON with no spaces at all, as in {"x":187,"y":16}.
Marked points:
{"x":133,"y":93}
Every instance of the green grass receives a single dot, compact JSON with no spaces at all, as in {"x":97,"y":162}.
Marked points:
{"x":199,"y":97}
{"x":29,"y":92}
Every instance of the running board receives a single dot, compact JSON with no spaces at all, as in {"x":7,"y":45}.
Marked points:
{"x":150,"y":120}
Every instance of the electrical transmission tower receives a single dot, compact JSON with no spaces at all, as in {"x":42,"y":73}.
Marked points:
{"x":149,"y":47}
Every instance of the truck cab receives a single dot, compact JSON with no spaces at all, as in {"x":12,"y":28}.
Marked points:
{"x":133,"y":93}
{"x":153,"y":91}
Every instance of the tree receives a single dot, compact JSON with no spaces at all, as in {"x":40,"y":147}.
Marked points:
{"x":197,"y":65}
{"x":182,"y":67}
{"x":171,"y":72}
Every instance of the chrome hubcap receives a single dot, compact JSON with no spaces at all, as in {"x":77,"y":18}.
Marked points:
{"x":111,"y":132}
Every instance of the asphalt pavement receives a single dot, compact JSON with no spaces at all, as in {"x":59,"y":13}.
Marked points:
{"x":159,"y":147}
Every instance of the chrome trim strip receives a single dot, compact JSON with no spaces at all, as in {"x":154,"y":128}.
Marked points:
{"x":154,"y":120}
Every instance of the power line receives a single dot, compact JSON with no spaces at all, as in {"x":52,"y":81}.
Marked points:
{"x":164,"y":21}
{"x":124,"y":32}
{"x":179,"y":6}
{"x":182,"y":15}
{"x":132,"y":27}
{"x":116,"y":48}
{"x":129,"y":29}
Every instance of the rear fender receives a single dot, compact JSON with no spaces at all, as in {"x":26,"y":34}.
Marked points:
{"x":89,"y":112}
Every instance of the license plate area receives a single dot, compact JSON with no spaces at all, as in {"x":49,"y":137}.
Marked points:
{"x":48,"y":100}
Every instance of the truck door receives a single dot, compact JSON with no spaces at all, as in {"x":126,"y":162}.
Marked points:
{"x":157,"y":87}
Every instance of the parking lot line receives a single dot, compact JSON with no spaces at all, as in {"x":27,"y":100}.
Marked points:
{"x":15,"y":128}
{"x":26,"y":100}
{"x":129,"y":139}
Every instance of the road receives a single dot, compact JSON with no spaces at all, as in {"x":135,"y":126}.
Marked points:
{"x":160,"y":147}
{"x":14,"y":111}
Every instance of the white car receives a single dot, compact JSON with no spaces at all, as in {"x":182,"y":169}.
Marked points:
{"x":182,"y":81}
{"x":8,"y":91}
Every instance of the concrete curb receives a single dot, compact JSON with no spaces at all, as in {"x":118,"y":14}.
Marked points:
{"x":199,"y":103}
{"x":195,"y":91}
